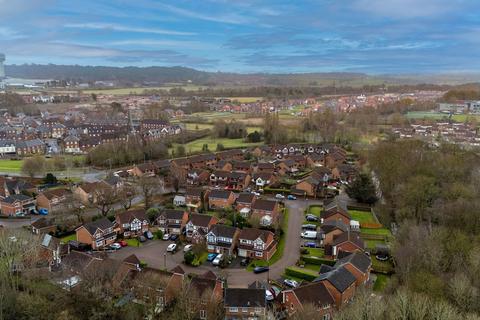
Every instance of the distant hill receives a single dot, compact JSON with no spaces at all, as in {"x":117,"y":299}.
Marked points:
{"x":151,"y":76}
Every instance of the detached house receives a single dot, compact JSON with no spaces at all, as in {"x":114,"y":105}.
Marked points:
{"x":198,"y":225}
{"x":244,"y":203}
{"x":222,"y":239}
{"x":98,"y":234}
{"x":316,"y":294}
{"x":263,"y":179}
{"x":172,"y":221}
{"x":43,"y":225}
{"x":16,"y":205}
{"x":53,"y":200}
{"x":218,"y":199}
{"x":267,"y":211}
{"x":340,"y":283}
{"x":335,"y":211}
{"x":256,"y":244}
{"x":243,"y":303}
{"x":197,"y":177}
{"x":132,"y":223}
{"x":207,"y":290}
{"x":193,"y":198}
{"x":358,"y":263}
{"x":348,"y":242}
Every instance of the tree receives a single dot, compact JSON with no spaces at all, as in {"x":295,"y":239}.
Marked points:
{"x":180,"y":151}
{"x":104,"y":198}
{"x":149,"y":187}
{"x":50,"y":179}
{"x":220,"y":147}
{"x":362,"y":189}
{"x":34,"y":166}
{"x":254,"y":136}
{"x":126,"y":195}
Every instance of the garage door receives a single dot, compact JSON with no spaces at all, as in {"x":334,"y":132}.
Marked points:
{"x":242,"y":253}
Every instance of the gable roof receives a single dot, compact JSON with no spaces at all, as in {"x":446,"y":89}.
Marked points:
{"x":264,"y":205}
{"x":55,"y":193}
{"x":244,"y":297}
{"x":41,"y":223}
{"x":101,"y":224}
{"x":132,"y":259}
{"x":358,"y":259}
{"x":351,"y":236}
{"x":129,"y":216}
{"x":245,"y":197}
{"x":253,"y":234}
{"x":329,"y":226}
{"x":173,"y":214}
{"x":219,"y":194}
{"x":314,"y":293}
{"x":340,"y":278}
{"x":201,"y":220}
{"x":194,"y":192}
{"x":221,"y":230}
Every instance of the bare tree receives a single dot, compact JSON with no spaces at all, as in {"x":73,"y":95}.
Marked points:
{"x":149,"y":187}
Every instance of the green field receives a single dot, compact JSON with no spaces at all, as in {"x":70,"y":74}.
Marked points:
{"x":203,"y":126}
{"x":380,"y":231}
{"x":362,"y":216}
{"x":7,"y":165}
{"x":139,"y":90}
{"x":196,"y":146}
{"x":246,"y":99}
{"x":440,"y":116}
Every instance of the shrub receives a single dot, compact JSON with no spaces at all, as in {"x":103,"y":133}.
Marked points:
{"x":318,"y":261}
{"x":300,"y":274}
{"x":303,"y":251}
{"x":188,"y":257}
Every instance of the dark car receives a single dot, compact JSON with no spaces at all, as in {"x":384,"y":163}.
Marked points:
{"x":310,"y":244}
{"x":245,"y":262}
{"x":148,"y":235}
{"x":260,"y":269}
{"x":142,"y":239}
{"x":174,"y":237}
{"x":311,"y":217}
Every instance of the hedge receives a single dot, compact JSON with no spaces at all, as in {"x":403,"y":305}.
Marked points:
{"x":317,"y":261}
{"x":268,"y":189}
{"x":300,"y":274}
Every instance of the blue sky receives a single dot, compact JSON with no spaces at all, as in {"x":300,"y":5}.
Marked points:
{"x":371,"y":36}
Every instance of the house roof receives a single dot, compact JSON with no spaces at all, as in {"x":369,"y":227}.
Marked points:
{"x":314,"y":293}
{"x":254,"y":233}
{"x":201,"y":220}
{"x":194,"y":192}
{"x":329,"y":226}
{"x":132,"y":259}
{"x":90,"y":187}
{"x":201,"y":284}
{"x":129,"y":216}
{"x":55,"y":193}
{"x":244,"y":297}
{"x":78,"y":261}
{"x":358,"y":259}
{"x":16,"y":197}
{"x":173,"y":214}
{"x":178,"y":270}
{"x":221,"y":230}
{"x":353,"y":237}
{"x":334,"y":207}
{"x":219,"y":194}
{"x":41,"y":223}
{"x":101,"y":224}
{"x":264,"y":205}
{"x":245,"y":197}
{"x":340,"y":278}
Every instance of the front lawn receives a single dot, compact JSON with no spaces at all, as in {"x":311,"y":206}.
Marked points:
{"x":315,"y":210}
{"x":381,"y":282}
{"x":257,"y":263}
{"x":133,"y":242}
{"x":312,"y":267}
{"x":371,"y":244}
{"x":362,"y":216}
{"x":281,"y":243}
{"x":316,"y":252}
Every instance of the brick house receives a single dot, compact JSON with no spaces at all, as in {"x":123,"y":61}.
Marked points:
{"x":344,"y":172}
{"x":348,"y":241}
{"x":87,"y":191}
{"x":17,"y":204}
{"x":207,"y":288}
{"x":72,"y":144}
{"x":330,"y":229}
{"x":340,"y":283}
{"x":219,"y":178}
{"x":222,"y":239}
{"x":310,"y":186}
{"x":256,"y":244}
{"x":244,"y":303}
{"x":198,"y":225}
{"x":358,"y":263}
{"x":238,"y":180}
{"x":27,"y":147}
{"x":241,"y":166}
{"x":43,"y":225}
{"x":335,"y":211}
{"x":197,"y":177}
{"x":193,"y":198}
{"x":131,"y":223}
{"x":203,"y":161}
{"x":316,"y":293}
{"x":263,"y":179}
{"x":172,"y":221}
{"x":98,"y":234}
{"x":219,"y":199}
{"x":53,"y":200}
{"x":244,"y":203}
{"x":267,"y":211}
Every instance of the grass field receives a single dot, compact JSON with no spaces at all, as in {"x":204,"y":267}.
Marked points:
{"x":7,"y":165}
{"x":316,"y":252}
{"x":246,"y":99}
{"x":139,"y":90}
{"x":197,"y":145}
{"x":362,"y":216}
{"x":381,"y":282}
{"x":380,"y":231}
{"x":72,"y":237}
{"x":203,"y":126}
{"x":371,"y":244}
{"x":439,"y":116}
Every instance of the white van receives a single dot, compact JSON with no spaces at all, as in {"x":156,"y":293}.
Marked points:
{"x":309,"y":234}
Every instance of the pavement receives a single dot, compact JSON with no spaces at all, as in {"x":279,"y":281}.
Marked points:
{"x":154,"y":253}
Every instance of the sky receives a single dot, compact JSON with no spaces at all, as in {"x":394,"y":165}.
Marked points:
{"x":247,"y":36}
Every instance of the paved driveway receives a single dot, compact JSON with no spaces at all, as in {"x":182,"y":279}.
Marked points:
{"x":155,"y":255}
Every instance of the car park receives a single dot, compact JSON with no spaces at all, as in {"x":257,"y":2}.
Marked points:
{"x":172,"y":247}
{"x":187,"y":248}
{"x":166,"y":236}
{"x":290,"y":283}
{"x":148,"y":235}
{"x":291,"y":197}
{"x":279,"y":196}
{"x":311,"y":217}
{"x":260,"y":269}
{"x":211,"y":257}
{"x":217,"y":260}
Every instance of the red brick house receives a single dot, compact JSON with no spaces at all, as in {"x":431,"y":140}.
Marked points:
{"x":131,"y":223}
{"x":267,"y":211}
{"x":198,"y":225}
{"x":193,"y":198}
{"x":53,"y":200}
{"x":316,"y":293}
{"x":172,"y":221}
{"x":17,"y":204}
{"x":222,"y":239}
{"x":244,"y":203}
{"x":98,"y":234}
{"x":219,"y":199}
{"x":43,"y":225}
{"x":335,"y":211}
{"x":340,"y":283}
{"x":256,"y":244}
{"x":245,"y":303}
{"x":358,"y":263}
{"x":348,"y":241}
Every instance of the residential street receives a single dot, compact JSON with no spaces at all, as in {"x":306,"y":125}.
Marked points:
{"x":155,"y":255}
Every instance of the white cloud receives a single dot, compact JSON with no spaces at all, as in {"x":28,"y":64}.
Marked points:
{"x":9,"y":34}
{"x":122,"y":28}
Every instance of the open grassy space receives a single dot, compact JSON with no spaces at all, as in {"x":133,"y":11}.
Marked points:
{"x":381,"y":282}
{"x":440,"y":116}
{"x":382,"y":266}
{"x":197,"y":145}
{"x":72,"y":237}
{"x":281,"y":243}
{"x":139,"y":90}
{"x":371,"y":244}
{"x":315,"y":210}
{"x":7,"y":165}
{"x":380,"y":231}
{"x":316,"y":252}
{"x":362,"y":216}
{"x":246,"y":99}
{"x":203,"y":126}
{"x":133,"y":242}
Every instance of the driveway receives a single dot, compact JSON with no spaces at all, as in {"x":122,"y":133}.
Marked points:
{"x":155,"y":255}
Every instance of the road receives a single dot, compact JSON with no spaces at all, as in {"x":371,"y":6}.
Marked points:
{"x":155,"y":255}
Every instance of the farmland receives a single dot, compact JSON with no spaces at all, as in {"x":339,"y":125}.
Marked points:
{"x":197,"y":145}
{"x":139,"y":90}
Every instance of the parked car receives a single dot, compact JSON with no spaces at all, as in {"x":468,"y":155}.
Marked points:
{"x":148,"y":235}
{"x":166,"y":236}
{"x":256,"y":193}
{"x":309,"y":235}
{"x":115,"y":246}
{"x":43,"y":212}
{"x":174,"y":237}
{"x":291,"y":197}
{"x":269,"y":295}
{"x":245,"y":262}
{"x":123,"y":243}
{"x":211,"y":257}
{"x":187,"y":248}
{"x":260,"y":269}
{"x":172,"y":247}
{"x":290,"y":283}
{"x":311,"y":217}
{"x":279,"y":196}
{"x":142,"y":239}
{"x":217,"y":260}
{"x":310,"y":244}
{"x":311,"y":227}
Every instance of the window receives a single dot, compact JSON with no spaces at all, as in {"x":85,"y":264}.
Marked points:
{"x":244,"y":310}
{"x":233,"y":309}
{"x":258,"y":254}
{"x":258,"y":310}
{"x":326,"y":316}
{"x":203,"y":314}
